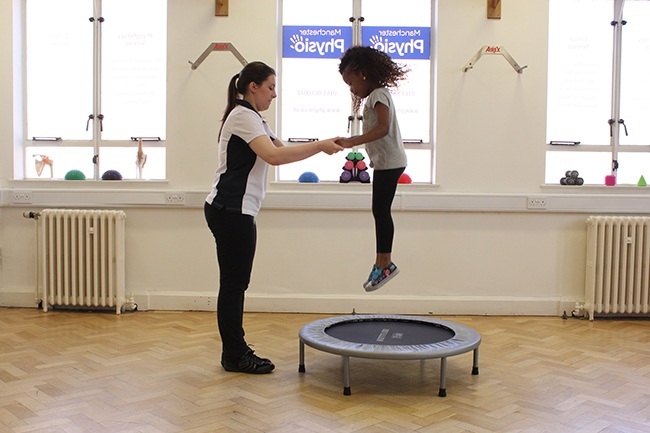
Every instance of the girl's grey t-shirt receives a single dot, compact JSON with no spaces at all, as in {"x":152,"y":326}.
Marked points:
{"x":387,"y":152}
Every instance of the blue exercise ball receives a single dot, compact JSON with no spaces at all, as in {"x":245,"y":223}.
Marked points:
{"x":308,"y":177}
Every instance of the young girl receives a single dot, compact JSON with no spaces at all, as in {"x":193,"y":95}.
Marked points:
{"x":247,"y":147}
{"x":369,"y":73}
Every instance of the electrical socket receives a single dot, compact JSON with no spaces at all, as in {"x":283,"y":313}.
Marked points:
{"x":536,"y":202}
{"x":175,"y":198}
{"x":22,"y":197}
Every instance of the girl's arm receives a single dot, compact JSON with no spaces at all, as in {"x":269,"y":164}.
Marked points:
{"x":379,"y":131}
{"x":273,"y":154}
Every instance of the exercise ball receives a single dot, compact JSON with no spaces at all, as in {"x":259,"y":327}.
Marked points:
{"x":308,"y":177}
{"x":404,"y":178}
{"x":111,"y":175}
{"x":75,"y":175}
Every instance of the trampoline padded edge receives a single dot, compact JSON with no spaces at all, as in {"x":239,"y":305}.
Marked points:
{"x":464,"y":340}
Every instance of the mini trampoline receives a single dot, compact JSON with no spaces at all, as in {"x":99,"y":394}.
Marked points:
{"x":393,"y":337}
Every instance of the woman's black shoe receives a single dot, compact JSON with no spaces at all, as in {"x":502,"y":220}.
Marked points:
{"x":249,"y":363}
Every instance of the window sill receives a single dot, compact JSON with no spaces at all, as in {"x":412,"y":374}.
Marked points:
{"x":334,"y":196}
{"x":597,"y":189}
{"x":87,"y":184}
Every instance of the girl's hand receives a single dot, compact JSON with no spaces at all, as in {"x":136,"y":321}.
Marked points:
{"x":345,"y":142}
{"x":330,"y":146}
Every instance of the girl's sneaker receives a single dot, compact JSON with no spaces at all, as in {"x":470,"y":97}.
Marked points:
{"x":381,"y":276}
{"x":374,"y":270}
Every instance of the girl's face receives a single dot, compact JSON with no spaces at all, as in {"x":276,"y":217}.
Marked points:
{"x":261,"y":96}
{"x":357,"y":82}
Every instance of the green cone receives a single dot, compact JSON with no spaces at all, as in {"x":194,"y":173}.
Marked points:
{"x":642,"y":181}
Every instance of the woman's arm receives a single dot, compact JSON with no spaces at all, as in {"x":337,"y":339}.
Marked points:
{"x":275,"y":154}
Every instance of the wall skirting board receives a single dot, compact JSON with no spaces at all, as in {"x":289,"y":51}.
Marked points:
{"x":362,"y":303}
{"x":619,"y":199}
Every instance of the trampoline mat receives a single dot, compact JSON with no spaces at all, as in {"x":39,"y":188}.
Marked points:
{"x":390,"y":332}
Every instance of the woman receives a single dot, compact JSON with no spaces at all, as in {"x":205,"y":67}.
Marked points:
{"x":247,"y":147}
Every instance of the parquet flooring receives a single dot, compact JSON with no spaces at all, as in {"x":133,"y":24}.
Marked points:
{"x":155,"y":372}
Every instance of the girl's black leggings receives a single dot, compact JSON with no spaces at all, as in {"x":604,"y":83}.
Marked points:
{"x":236,"y":236}
{"x":384,"y":185}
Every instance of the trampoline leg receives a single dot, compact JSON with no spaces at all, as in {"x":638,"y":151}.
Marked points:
{"x":346,"y":376}
{"x":301,"y":364}
{"x":475,"y":366}
{"x":443,"y":378}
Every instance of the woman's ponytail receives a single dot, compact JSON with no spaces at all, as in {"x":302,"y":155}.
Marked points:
{"x":254,"y":72}
{"x":231,"y":97}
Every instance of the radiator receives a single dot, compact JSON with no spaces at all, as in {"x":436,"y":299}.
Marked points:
{"x":618,"y":266}
{"x":81,"y":259}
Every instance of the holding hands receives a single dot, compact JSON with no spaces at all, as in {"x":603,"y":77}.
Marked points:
{"x":330,"y":146}
{"x":345,"y":142}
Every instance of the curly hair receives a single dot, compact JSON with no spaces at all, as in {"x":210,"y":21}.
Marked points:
{"x":375,"y":65}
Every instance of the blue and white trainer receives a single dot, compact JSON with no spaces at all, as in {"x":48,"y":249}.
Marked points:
{"x":380,"y":276}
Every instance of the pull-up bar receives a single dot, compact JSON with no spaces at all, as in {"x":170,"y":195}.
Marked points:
{"x":218,"y":46}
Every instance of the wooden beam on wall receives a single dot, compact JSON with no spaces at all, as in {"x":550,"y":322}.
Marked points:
{"x":221,"y":8}
{"x":494,"y":9}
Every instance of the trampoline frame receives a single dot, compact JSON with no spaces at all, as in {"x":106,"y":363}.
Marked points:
{"x":465,"y":339}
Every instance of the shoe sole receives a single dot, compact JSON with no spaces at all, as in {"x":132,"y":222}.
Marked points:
{"x":260,"y":370}
{"x":370,"y":288}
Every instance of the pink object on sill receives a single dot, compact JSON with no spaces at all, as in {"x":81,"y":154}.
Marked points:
{"x":610,"y":180}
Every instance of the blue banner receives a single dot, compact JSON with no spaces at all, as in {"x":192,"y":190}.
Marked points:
{"x":399,"y":42}
{"x":315,"y":42}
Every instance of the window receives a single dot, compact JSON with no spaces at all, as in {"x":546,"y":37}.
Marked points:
{"x":315,"y":103}
{"x":95,"y":85}
{"x":584,"y":101}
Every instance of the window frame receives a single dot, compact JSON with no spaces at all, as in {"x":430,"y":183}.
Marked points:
{"x":614,"y":148}
{"x":408,"y":142}
{"x":25,"y":142}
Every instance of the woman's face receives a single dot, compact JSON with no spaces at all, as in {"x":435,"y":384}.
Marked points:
{"x":357,"y":82}
{"x":262,"y":95}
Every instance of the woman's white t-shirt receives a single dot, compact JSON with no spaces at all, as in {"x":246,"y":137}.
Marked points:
{"x":240,"y":179}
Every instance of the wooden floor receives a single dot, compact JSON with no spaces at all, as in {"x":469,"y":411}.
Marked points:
{"x":160,"y":372}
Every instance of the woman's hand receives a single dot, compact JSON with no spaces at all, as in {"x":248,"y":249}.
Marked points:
{"x":277,"y":155}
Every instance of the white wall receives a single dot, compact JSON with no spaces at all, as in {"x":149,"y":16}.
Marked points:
{"x":6,"y":118}
{"x":491,"y":120}
{"x":465,"y":246}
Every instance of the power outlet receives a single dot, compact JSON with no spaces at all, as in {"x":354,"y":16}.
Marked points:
{"x":22,"y":197}
{"x":175,"y":198}
{"x":536,"y":203}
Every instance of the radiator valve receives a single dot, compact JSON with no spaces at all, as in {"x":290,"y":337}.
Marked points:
{"x":579,"y":310}
{"x":129,"y":304}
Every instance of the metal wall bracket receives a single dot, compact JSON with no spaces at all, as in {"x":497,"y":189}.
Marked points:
{"x":494,"y":50}
{"x":218,"y":46}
